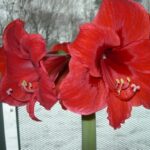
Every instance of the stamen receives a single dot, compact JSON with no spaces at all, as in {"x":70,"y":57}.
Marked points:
{"x":27,"y":86}
{"x":133,"y":85}
{"x":117,"y":81}
{"x":135,"y":88}
{"x":128,"y":79}
{"x":24,"y":83}
{"x":125,"y":90}
{"x":30,"y":85}
{"x":121,"y":86}
{"x":122,"y":81}
{"x":9,"y":91}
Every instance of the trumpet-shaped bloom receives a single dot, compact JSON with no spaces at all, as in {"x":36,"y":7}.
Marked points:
{"x":110,"y":63}
{"x":25,"y":79}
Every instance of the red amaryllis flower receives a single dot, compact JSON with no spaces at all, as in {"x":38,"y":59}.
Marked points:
{"x":26,"y":79}
{"x":110,"y":63}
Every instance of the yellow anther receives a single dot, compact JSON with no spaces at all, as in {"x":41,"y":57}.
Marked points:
{"x":122,"y":81}
{"x":24,"y":83}
{"x":129,"y":79}
{"x":117,"y":81}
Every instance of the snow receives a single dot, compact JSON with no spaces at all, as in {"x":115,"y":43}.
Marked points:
{"x":61,"y":130}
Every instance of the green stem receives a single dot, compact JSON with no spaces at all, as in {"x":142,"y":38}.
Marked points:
{"x":89,"y":132}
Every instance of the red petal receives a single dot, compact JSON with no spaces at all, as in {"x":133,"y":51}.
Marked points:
{"x":47,"y":84}
{"x":136,"y":60}
{"x":12,"y":36}
{"x":118,"y":111}
{"x":2,"y":62}
{"x":5,"y":98}
{"x":54,"y":65}
{"x":81,"y":93}
{"x":88,"y":45}
{"x":113,"y":70}
{"x":17,"y":40}
{"x":136,"y":55}
{"x":143,"y":95}
{"x":35,"y":45}
{"x":128,"y":60}
{"x":60,"y":46}
{"x":17,"y":70}
{"x":47,"y":92}
{"x":30,"y":108}
{"x":126,"y":17}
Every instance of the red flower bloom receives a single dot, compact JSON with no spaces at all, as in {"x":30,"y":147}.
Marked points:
{"x":110,"y":63}
{"x":26,"y":79}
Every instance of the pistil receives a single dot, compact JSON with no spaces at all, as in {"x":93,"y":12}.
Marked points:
{"x":9,"y":91}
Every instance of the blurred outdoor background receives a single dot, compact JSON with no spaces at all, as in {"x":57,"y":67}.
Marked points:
{"x":56,"y":20}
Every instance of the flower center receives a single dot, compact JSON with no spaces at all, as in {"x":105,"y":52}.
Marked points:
{"x":125,"y":89}
{"x":27,"y":86}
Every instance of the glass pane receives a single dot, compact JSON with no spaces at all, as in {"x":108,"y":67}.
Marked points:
{"x":59,"y":130}
{"x":133,"y":135}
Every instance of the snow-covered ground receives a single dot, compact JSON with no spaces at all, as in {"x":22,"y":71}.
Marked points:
{"x":61,"y":130}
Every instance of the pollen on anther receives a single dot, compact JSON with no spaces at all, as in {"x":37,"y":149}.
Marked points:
{"x":128,"y":79}
{"x":117,"y":81}
{"x":122,"y":81}
{"x":24,"y":83}
{"x":9,"y":91}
